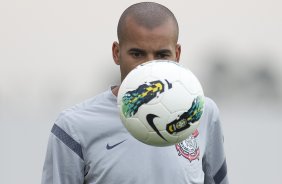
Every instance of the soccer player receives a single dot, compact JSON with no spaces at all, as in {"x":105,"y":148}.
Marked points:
{"x":88,"y":143}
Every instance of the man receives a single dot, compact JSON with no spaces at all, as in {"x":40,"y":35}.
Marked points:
{"x":89,"y":144}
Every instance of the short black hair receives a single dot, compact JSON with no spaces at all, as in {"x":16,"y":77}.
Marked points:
{"x":147,"y":14}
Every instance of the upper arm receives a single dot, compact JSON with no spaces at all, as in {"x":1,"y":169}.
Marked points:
{"x":64,"y":162}
{"x":214,"y":161}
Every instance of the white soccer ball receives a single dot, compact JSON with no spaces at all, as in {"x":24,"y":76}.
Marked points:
{"x":160,"y":102}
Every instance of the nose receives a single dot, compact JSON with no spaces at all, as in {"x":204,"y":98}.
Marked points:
{"x":151,"y":57}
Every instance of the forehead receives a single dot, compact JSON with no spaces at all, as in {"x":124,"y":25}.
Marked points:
{"x":140,"y":36}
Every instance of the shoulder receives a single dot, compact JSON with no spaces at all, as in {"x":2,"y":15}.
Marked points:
{"x":211,"y":116}
{"x":69,"y":118}
{"x":77,"y":120}
{"x":211,"y":108}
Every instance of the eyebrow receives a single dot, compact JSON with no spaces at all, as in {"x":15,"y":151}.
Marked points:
{"x":164,"y":51}
{"x":136,"y":50}
{"x":143,"y":51}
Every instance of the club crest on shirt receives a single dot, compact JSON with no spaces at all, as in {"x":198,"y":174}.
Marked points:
{"x":189,"y":148}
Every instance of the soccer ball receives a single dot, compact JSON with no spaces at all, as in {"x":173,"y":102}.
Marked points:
{"x":160,"y":102}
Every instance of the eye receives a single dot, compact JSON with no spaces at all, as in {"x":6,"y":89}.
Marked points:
{"x":136,"y":54}
{"x":163,"y":56}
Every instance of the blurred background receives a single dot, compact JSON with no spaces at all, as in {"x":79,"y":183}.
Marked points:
{"x":54,"y":54}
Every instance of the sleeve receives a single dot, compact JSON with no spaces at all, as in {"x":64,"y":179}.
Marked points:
{"x":64,"y":163}
{"x":214,"y":161}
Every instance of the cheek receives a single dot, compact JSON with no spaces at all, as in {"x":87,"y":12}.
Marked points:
{"x":126,"y":67}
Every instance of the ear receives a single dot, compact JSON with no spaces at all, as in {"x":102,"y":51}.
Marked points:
{"x":178,"y":52}
{"x":115,"y":52}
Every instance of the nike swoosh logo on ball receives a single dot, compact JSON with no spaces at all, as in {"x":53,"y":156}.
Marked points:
{"x":150,"y":120}
{"x":112,"y":146}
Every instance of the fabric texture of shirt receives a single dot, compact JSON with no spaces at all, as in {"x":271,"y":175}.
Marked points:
{"x":88,"y":144}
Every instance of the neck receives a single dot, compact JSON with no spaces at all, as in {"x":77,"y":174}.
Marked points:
{"x":115,"y":90}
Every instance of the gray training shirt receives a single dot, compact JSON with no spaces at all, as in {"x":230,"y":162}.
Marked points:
{"x":88,"y":144}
